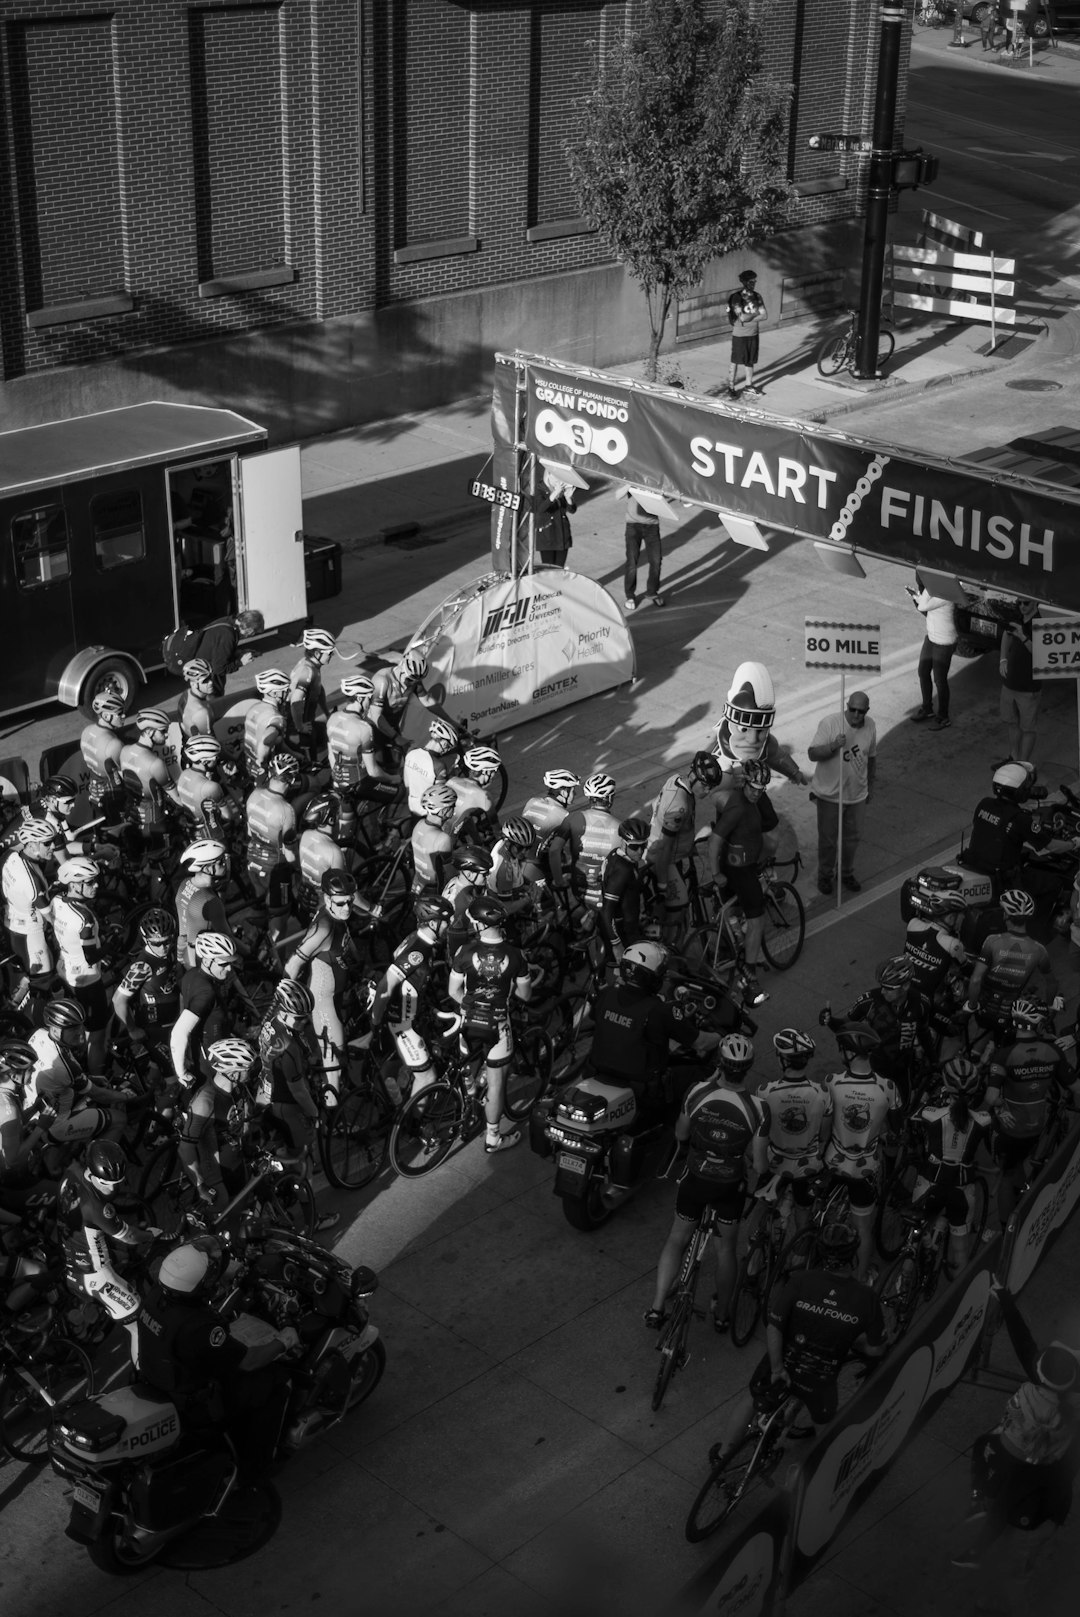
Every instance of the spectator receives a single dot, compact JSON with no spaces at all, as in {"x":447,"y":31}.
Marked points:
{"x":642,"y":528}
{"x":219,"y":644}
{"x":553,"y":535}
{"x":989,"y":23}
{"x":844,"y":742}
{"x":935,"y":656}
{"x":1019,"y":690}
{"x":746,"y":311}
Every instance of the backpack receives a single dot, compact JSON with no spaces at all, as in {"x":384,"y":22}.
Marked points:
{"x":179,"y":648}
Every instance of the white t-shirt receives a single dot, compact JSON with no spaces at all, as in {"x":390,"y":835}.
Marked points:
{"x":860,"y":745}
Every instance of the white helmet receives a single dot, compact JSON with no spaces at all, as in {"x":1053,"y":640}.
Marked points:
{"x":191,"y":1267}
{"x":203,"y":855}
{"x":601,"y":788}
{"x":214,"y":949}
{"x":320,"y":641}
{"x":562,"y":784}
{"x":411,"y":665}
{"x":36,"y":832}
{"x":78,"y":872}
{"x":109,"y":711}
{"x":442,"y":737}
{"x":199,"y":675}
{"x":483,"y":762}
{"x":272,"y":685}
{"x":152,"y":719}
{"x":232,"y":1058}
{"x":355,"y":686}
{"x":440,"y":800}
{"x":202,"y":750}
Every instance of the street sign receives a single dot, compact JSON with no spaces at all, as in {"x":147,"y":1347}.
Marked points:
{"x":1055,"y":648}
{"x":843,"y":645}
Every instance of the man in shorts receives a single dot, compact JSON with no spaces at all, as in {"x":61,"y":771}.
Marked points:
{"x":746,"y":311}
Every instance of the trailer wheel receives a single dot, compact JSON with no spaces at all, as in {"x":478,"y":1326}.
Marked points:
{"x":115,"y":676}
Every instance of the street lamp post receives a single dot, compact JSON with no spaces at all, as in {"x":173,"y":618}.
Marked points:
{"x":879,"y":190}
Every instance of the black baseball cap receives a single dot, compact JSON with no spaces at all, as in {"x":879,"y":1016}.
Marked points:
{"x":748,"y":275}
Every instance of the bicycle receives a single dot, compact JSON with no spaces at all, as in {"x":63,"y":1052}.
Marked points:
{"x":918,"y":1268}
{"x":840,"y":351}
{"x":830,"y":1204}
{"x":754,"y":1458}
{"x":755,"y":1273}
{"x":721,"y":941}
{"x":42,"y":1373}
{"x":354,"y":1135}
{"x":671,"y":1342}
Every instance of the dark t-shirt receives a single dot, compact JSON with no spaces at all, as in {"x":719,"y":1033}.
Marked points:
{"x":821,"y":1316}
{"x":205,"y":998}
{"x":218,"y":644}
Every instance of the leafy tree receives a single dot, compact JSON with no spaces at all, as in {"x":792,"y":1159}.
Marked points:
{"x":679,"y":155}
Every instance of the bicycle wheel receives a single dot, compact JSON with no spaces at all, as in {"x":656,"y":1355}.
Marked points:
{"x":289,"y":1202}
{"x":65,"y":1377}
{"x":672,"y":1345}
{"x":529,"y":1073}
{"x":709,"y":949}
{"x":727,"y":1482}
{"x":898,"y":1292}
{"x":426,"y":1129}
{"x":354,"y":1138}
{"x":890,"y":1227}
{"x":751,"y":1284}
{"x":785,"y":925}
{"x":834,"y":354}
{"x":798,"y":1254}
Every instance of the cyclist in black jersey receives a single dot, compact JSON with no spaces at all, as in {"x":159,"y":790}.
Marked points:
{"x":623,"y":880}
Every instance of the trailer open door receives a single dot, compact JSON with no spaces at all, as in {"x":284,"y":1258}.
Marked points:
{"x":269,"y":546}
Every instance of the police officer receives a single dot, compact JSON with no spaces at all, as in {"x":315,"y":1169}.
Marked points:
{"x":635,"y":1028}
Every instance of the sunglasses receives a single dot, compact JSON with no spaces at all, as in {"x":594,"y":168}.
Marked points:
{"x":853,"y":709}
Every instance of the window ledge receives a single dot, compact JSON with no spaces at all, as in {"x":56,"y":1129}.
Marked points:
{"x":224,"y":286}
{"x":63,"y":314}
{"x":558,"y":228}
{"x":452,"y":247}
{"x":813,"y":188}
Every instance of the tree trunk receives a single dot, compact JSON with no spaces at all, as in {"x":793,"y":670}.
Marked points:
{"x":658,"y":299}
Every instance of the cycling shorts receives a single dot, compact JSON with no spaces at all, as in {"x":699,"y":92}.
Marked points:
{"x":273,"y":885}
{"x":694,"y":1193}
{"x":496,"y":1044}
{"x":954,"y":1200}
{"x":819,"y":1391}
{"x":744,"y":883}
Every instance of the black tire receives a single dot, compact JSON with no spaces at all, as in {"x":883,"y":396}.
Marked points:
{"x":66,"y":1374}
{"x":354,"y":1139}
{"x":290,"y":1202}
{"x":498,"y":795}
{"x":367,"y":1371}
{"x":980,"y":12}
{"x":426,"y":1129}
{"x":890,"y":1227}
{"x":898,"y":1293}
{"x":529,"y":1073}
{"x":751,"y":1285}
{"x":115,"y":676}
{"x":672,"y":1345}
{"x":799,"y":1253}
{"x":587,"y":1212}
{"x":785,"y":925}
{"x":110,"y":1555}
{"x":725,"y":1486}
{"x":886,"y":346}
{"x":832,"y":356}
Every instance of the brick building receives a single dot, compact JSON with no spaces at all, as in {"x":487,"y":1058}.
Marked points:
{"x":325,"y":211}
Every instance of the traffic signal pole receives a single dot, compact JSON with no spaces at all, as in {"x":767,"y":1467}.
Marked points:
{"x":880,"y":190}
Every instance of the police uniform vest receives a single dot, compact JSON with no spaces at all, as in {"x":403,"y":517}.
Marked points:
{"x":270,"y":820}
{"x":184,"y":1349}
{"x":619,"y":1046}
{"x":997,"y":832}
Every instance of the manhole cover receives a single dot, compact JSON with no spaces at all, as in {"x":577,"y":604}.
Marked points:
{"x":1034,"y":384}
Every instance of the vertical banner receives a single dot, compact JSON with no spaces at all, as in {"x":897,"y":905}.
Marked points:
{"x":504,"y":474}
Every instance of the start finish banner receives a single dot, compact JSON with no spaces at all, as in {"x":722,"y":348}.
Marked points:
{"x":821,"y":484}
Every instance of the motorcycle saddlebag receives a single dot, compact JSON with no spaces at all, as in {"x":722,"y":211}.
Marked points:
{"x":181,"y":1488}
{"x":539,"y":1118}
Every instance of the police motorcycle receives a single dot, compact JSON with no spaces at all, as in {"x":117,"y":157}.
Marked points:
{"x":604,"y":1151}
{"x":139,"y":1481}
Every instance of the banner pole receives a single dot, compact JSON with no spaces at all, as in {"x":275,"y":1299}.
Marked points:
{"x":840,"y":795}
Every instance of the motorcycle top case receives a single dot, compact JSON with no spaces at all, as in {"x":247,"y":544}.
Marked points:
{"x":122,"y":1425}
{"x":593,"y":1106}
{"x":971,"y":885}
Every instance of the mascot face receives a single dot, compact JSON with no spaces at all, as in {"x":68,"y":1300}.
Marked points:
{"x":743,"y":733}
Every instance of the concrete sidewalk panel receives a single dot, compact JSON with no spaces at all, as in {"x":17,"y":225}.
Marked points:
{"x":495,"y":1593}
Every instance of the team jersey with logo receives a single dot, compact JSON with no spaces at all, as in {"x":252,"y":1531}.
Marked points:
{"x":490,"y":971}
{"x":794,"y":1113}
{"x":723,"y":1121}
{"x":821,"y":1316}
{"x":861,"y":1106}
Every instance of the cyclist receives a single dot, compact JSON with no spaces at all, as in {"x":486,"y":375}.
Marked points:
{"x":864,"y":1105}
{"x":475,"y":804}
{"x":146,"y":777}
{"x":798,"y":1112}
{"x":622,"y":888}
{"x":26,"y":894}
{"x":402,"y":992}
{"x":931,"y":942}
{"x":511,"y":858}
{"x":471,"y":869}
{"x":949,"y":1130}
{"x":200,"y":906}
{"x":1029,"y":1075}
{"x":209,"y":1113}
{"x":900,"y":1018}
{"x":209,"y":809}
{"x":18,"y":1060}
{"x":101,"y":744}
{"x":285,"y":1088}
{"x":671,"y":839}
{"x":548,"y":816}
{"x":813,"y":1325}
{"x":307,"y":699}
{"x":737,"y":853}
{"x":56,"y":801}
{"x":395,"y":686}
{"x":1010,"y":964}
{"x":94,"y":1227}
{"x":194,"y":712}
{"x":484,"y":977}
{"x":78,"y":948}
{"x":327,"y":954}
{"x":204,"y":1011}
{"x":271,"y":839}
{"x":266,"y":723}
{"x":437,"y":761}
{"x":147,"y":999}
{"x":722,"y":1131}
{"x":62,"y":1097}
{"x":355,"y":769}
{"x":590,"y":834}
{"x":432,"y":841}
{"x":318,"y":851}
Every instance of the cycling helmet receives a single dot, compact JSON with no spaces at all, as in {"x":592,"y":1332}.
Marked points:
{"x":152,"y":721}
{"x":194,"y":1268}
{"x":562,"y":784}
{"x":411,"y":665}
{"x":18,"y":1058}
{"x":600,"y":788}
{"x":483,"y":762}
{"x":214,"y":949}
{"x":158,"y":925}
{"x":57,"y":788}
{"x":272,"y":685}
{"x":756,"y":774}
{"x":1057,"y":1368}
{"x":857,"y":1041}
{"x":202,"y":751}
{"x":442,"y":737}
{"x":961,"y":1076}
{"x":320,"y":641}
{"x":320,"y":812}
{"x":64,"y":1016}
{"x":338,"y":884}
{"x":895,"y":973}
{"x":1028,"y":1014}
{"x":439,"y":800}
{"x":431,"y":911}
{"x":793,"y":1047}
{"x":837,"y":1245}
{"x":944,"y":906}
{"x":735,"y":1055}
{"x":283,"y":765}
{"x":644,"y":966}
{"x":1017,"y":905}
{"x":357,"y":685}
{"x":109,"y":711}
{"x":293,"y":999}
{"x":517,"y":832}
{"x":199,"y":675}
{"x":78,"y":872}
{"x":106,"y":1166}
{"x":232,"y":1058}
{"x":634,"y":833}
{"x":36,"y":831}
{"x":476,"y":861}
{"x":705,"y":767}
{"x":1011,"y":781}
{"x":204,"y":855}
{"x":486,"y":911}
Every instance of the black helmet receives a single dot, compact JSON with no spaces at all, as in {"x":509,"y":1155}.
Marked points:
{"x":320,"y":811}
{"x":837,"y":1245}
{"x":106,"y":1165}
{"x":58,"y":786}
{"x":477,"y":860}
{"x":338,"y":884}
{"x":757,"y":774}
{"x":158,"y":925}
{"x":635,"y":833}
{"x":429,"y":908}
{"x":857,"y":1041}
{"x":706,"y":766}
{"x":486,"y":910}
